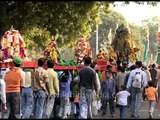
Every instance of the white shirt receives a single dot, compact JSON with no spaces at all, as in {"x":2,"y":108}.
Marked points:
{"x":3,"y":90}
{"x":98,"y":82}
{"x":122,"y":97}
{"x":132,"y":75}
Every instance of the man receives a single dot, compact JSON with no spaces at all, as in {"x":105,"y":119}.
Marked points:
{"x":87,"y":85}
{"x":27,"y":94}
{"x":40,"y":86}
{"x":126,"y":81}
{"x":14,"y":78}
{"x":108,"y":68}
{"x":108,"y":94}
{"x":153,"y":72}
{"x":120,"y":78}
{"x":65,"y":94}
{"x":136,"y":95}
{"x":54,"y":89}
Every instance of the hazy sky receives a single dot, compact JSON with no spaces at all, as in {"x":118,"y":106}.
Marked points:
{"x":134,"y":13}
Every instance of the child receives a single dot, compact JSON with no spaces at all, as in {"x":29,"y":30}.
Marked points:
{"x":108,"y":90}
{"x":152,"y":96}
{"x":65,"y":81}
{"x":122,"y":98}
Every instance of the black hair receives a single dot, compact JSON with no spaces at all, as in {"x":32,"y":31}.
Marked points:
{"x":92,"y":65}
{"x":123,"y":69}
{"x":139,"y":63}
{"x":123,"y":87}
{"x":108,"y":66}
{"x":153,"y":65}
{"x":124,"y":64}
{"x":41,"y":62}
{"x":50,"y":63}
{"x":150,"y":83}
{"x":133,"y":67}
{"x":87,"y":60}
{"x":16,"y":65}
{"x":64,"y":78}
{"x":65,"y":75}
{"x":119,"y":67}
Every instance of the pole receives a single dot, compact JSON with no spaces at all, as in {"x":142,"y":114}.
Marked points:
{"x":97,"y":39}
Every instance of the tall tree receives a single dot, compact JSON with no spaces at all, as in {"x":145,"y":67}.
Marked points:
{"x":109,"y":20}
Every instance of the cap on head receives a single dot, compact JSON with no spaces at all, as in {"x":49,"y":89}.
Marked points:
{"x":17,"y":60}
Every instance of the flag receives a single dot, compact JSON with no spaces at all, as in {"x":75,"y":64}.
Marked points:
{"x":146,"y":44}
{"x":146,"y":49}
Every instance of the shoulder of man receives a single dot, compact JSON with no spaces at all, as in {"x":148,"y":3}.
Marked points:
{"x":87,"y":68}
{"x":143,"y":72}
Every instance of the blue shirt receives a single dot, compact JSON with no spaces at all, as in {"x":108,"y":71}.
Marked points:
{"x":65,"y":87}
{"x":108,"y":88}
{"x":131,"y":77}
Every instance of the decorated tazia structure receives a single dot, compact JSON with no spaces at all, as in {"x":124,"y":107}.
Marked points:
{"x":52,"y":52}
{"x":82,"y":49}
{"x":12,"y":45}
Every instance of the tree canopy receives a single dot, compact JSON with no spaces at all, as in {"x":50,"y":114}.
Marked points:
{"x":69,"y":19}
{"x":39,"y":20}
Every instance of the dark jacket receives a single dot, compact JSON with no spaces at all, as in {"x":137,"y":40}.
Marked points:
{"x":87,"y":78}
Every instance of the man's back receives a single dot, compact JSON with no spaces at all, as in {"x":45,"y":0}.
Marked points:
{"x":153,"y":73}
{"x":40,"y":77}
{"x":87,"y":78}
{"x":132,"y":75}
{"x":120,"y":79}
{"x":53,"y":81}
{"x":13,"y":80}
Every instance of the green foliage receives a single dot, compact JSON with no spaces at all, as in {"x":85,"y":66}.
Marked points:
{"x":37,"y":37}
{"x":69,"y":19}
{"x":38,"y":20}
{"x":138,"y":36}
{"x":153,"y":29}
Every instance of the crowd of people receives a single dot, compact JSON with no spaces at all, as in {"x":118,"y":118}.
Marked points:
{"x":44,"y":93}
